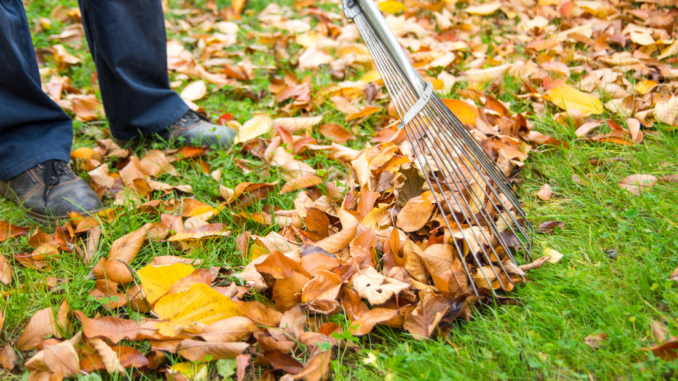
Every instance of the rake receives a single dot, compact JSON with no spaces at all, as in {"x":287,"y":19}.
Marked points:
{"x":472,"y":194}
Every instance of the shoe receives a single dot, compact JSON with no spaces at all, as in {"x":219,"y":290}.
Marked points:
{"x":197,"y":130}
{"x":49,"y":191}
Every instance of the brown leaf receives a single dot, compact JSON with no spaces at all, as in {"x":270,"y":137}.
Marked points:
{"x":287,"y":291}
{"x":325,"y":285}
{"x":205,"y":231}
{"x":300,"y":183}
{"x":126,"y":247}
{"x":6,"y":272}
{"x":107,"y":355}
{"x":280,"y":266}
{"x":549,"y":227}
{"x":367,"y":110}
{"x":114,"y":328}
{"x":282,"y":361}
{"x":115,"y":270}
{"x":336,"y":133}
{"x":338,"y":241}
{"x":41,"y":325}
{"x":412,"y":261}
{"x":316,"y":261}
{"x":670,"y":179}
{"x":423,"y":321}
{"x":260,"y":314}
{"x":8,"y":230}
{"x":195,"y":350}
{"x":293,"y":321}
{"x":544,"y":192}
{"x":416,"y":212}
{"x":667,"y":351}
{"x":233,"y":329}
{"x":636,"y":183}
{"x":376,"y":288}
{"x":536,"y":264}
{"x":316,"y":368}
{"x":369,"y":319}
{"x":595,"y":341}
{"x":8,"y":358}
{"x":317,"y":222}
{"x":62,"y":359}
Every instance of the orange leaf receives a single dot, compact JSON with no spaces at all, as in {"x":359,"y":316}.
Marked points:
{"x":462,"y":110}
{"x":368,"y":110}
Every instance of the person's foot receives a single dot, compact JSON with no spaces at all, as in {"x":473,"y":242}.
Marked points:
{"x":196,"y":130}
{"x":49,"y":191}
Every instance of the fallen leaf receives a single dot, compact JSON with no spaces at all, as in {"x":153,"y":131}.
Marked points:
{"x":199,"y":304}
{"x":257,"y":126}
{"x":416,"y":212}
{"x":233,"y":329}
{"x":336,"y":133}
{"x":366,"y":322}
{"x":41,"y":325}
{"x":6,"y":272}
{"x":375,"y":287}
{"x":293,"y":125}
{"x":8,"y":230}
{"x":595,"y":341}
{"x":8,"y":358}
{"x":483,"y":9}
{"x":300,"y":183}
{"x":194,"y":91}
{"x":636,"y":183}
{"x":195,"y":350}
{"x":544,"y":192}
{"x":554,"y":255}
{"x":108,"y":356}
{"x":156,"y":280}
{"x":568,"y":98}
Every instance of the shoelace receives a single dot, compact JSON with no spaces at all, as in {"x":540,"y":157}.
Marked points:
{"x":53,"y":170}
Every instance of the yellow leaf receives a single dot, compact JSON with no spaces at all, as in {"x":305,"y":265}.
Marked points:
{"x":257,"y":126}
{"x":643,"y":87}
{"x":199,"y":304}
{"x":391,"y":6}
{"x":568,"y":98}
{"x":669,"y":51}
{"x":483,"y":9}
{"x":371,"y":76}
{"x":190,"y":370}
{"x":258,"y":249}
{"x":156,"y":280}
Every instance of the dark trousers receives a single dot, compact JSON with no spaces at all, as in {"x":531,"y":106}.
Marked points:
{"x":128,"y":43}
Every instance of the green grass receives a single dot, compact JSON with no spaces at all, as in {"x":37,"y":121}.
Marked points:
{"x":587,"y":293}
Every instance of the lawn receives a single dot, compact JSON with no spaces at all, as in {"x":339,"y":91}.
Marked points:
{"x":618,"y":248}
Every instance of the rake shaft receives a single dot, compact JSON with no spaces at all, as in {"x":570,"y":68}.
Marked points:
{"x":466,"y":184}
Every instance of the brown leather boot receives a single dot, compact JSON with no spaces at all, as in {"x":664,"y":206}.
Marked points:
{"x":49,"y":191}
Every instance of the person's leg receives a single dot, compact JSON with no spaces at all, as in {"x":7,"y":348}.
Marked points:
{"x":33,"y":128}
{"x":129,"y":45}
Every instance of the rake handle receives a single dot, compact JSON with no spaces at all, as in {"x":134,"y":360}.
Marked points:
{"x":376,"y":20}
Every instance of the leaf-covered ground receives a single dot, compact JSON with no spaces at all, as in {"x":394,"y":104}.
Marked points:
{"x":185,"y":276}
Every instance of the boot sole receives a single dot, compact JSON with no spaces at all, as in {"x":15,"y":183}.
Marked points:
{"x":8,"y":193}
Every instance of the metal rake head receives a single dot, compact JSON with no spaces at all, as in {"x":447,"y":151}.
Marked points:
{"x":480,"y":210}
